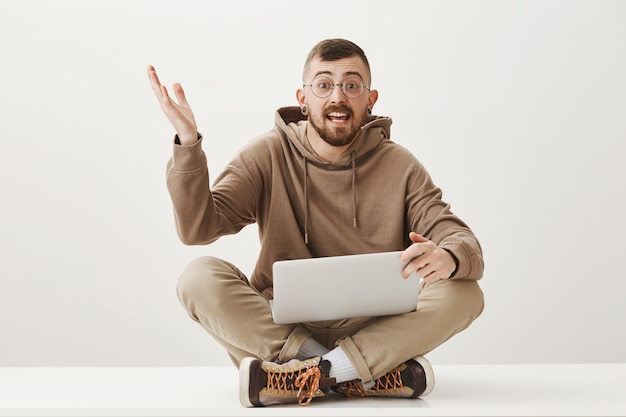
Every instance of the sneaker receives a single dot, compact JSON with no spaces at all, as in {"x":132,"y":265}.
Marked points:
{"x":414,"y":378}
{"x":263,"y":383}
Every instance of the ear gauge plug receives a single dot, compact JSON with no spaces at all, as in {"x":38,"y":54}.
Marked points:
{"x":304,"y":110}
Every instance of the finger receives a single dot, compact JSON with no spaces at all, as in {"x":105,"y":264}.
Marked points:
{"x":170,"y":108}
{"x":413,"y":250}
{"x":427,"y":272}
{"x":180,"y":94}
{"x":407,"y":271}
{"x":416,"y":249}
{"x":154,"y":81}
{"x":417,"y":238}
{"x":164,"y":96}
{"x":433,"y":273}
{"x":410,"y":253}
{"x":432,"y":278}
{"x":413,"y":266}
{"x":152,"y":72}
{"x":422,"y":265}
{"x":160,"y":91}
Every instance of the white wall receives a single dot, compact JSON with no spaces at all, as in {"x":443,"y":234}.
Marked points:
{"x":516,"y":108}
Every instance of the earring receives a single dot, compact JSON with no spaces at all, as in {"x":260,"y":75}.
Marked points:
{"x":369,"y":110}
{"x":304,"y":110}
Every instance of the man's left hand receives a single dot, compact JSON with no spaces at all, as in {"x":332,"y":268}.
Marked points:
{"x":427,"y":260}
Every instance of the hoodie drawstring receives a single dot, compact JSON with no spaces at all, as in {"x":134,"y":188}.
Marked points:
{"x":306,"y":203}
{"x":353,"y":189}
{"x":306,"y":196}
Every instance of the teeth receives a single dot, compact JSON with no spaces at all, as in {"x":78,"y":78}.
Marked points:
{"x":337,"y":114}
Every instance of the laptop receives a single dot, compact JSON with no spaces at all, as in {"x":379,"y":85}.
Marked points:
{"x":340,"y":287}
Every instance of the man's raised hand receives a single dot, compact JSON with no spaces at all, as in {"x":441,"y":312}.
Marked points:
{"x":179,"y":114}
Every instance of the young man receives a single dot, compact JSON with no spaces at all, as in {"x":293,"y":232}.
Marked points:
{"x":326,"y":181}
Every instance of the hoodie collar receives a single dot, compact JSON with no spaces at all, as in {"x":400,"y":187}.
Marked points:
{"x":291,"y":121}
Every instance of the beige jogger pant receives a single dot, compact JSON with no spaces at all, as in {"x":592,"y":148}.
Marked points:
{"x":219,"y":296}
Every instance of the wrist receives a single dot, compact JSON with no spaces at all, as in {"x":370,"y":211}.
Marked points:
{"x":186,"y":141}
{"x":455,"y":260}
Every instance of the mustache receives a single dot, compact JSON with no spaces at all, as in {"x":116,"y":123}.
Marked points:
{"x":340,"y":108}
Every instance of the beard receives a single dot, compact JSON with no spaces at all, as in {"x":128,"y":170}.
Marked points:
{"x":337,"y":136}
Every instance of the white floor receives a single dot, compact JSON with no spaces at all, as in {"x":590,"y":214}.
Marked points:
{"x":467,"y":390}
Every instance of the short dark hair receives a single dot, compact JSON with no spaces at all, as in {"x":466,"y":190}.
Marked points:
{"x":334,"y":50}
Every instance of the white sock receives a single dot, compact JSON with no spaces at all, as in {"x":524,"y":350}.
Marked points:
{"x":310,"y":349}
{"x":340,"y":366}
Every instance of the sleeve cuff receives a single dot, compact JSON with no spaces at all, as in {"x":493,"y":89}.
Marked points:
{"x":456,"y":263}
{"x":177,"y":139}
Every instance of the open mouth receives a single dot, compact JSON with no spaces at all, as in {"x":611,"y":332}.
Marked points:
{"x":338,"y":117}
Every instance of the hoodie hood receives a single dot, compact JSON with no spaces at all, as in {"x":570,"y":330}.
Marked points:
{"x":293,"y":124}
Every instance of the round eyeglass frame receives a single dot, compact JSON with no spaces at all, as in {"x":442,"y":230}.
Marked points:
{"x":332,"y":88}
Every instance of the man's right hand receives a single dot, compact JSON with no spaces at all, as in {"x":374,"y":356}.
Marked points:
{"x":179,"y":114}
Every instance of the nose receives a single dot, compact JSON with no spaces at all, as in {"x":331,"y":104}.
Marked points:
{"x":337,"y":95}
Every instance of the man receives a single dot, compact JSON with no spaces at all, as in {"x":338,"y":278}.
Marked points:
{"x":326,"y":181}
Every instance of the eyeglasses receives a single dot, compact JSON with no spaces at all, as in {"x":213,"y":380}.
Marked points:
{"x":323,"y":87}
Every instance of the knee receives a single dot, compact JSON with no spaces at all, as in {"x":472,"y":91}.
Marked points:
{"x":476,"y":299}
{"x":468,"y":298}
{"x":198,"y":280}
{"x":462,"y":299}
{"x":194,"y":275}
{"x":468,"y":295}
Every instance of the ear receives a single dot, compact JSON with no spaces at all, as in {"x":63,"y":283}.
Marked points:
{"x":372,"y":98}
{"x":301,"y":97}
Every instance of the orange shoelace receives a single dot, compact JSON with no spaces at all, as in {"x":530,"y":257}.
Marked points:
{"x":307,"y":383}
{"x":392,"y":380}
{"x":309,"y":380}
{"x":353,"y":388}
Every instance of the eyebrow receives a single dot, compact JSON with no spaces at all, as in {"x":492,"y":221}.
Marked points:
{"x":345,"y":74}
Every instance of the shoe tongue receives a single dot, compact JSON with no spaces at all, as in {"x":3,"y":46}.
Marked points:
{"x":325,"y":380}
{"x":324,"y":366}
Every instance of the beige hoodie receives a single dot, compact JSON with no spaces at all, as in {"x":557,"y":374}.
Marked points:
{"x":366,"y":201}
